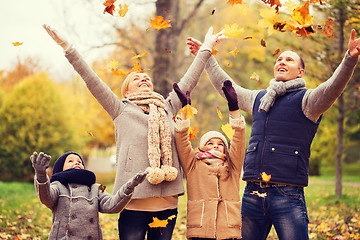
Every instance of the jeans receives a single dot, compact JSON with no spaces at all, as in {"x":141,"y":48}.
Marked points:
{"x":133,"y":225}
{"x":283,"y":207}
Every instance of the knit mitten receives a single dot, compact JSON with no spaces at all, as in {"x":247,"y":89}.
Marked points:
{"x":230,"y":95}
{"x":134,"y":181}
{"x":184,"y":98}
{"x":40,"y":163}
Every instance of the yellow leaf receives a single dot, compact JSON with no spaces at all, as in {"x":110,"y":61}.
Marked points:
{"x":232,"y":2}
{"x":136,"y":67}
{"x":233,"y":31}
{"x":171,"y":217}
{"x":123,"y":10}
{"x":189,"y":111}
{"x":234,"y":52}
{"x":219,"y":113}
{"x":228,"y":130}
{"x":139,"y":55}
{"x":17,"y":44}
{"x":254,"y":77}
{"x":192,"y":133}
{"x":158,"y":223}
{"x":159,"y":22}
{"x":265,"y":177}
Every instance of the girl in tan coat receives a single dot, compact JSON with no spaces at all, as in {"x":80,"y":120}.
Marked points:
{"x":213,"y":174}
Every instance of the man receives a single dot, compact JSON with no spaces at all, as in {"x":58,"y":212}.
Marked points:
{"x":285,"y":119}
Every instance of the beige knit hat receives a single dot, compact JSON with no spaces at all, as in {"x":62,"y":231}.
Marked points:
{"x":212,"y":134}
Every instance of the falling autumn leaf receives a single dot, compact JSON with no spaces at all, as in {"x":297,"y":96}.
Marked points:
{"x":228,"y":130}
{"x":273,"y":2}
{"x":213,"y":11}
{"x":123,"y":10}
{"x":233,"y":31}
{"x":102,"y":188}
{"x":139,"y":55}
{"x":214,"y":51}
{"x":270,"y":21}
{"x":219,"y":113}
{"x":136,"y":67}
{"x":233,"y":2}
{"x":265,"y":177}
{"x":91,"y":134}
{"x":109,"y":6}
{"x":234,"y":52}
{"x":17,"y":44}
{"x":277,"y":51}
{"x":113,"y":67}
{"x":160,"y":223}
{"x":189,"y":111}
{"x":159,"y":23}
{"x":263,"y":43}
{"x":167,"y":50}
{"x":254,"y":77}
{"x":247,"y":38}
{"x":328,"y":28}
{"x":192,"y":133}
{"x":301,"y":21}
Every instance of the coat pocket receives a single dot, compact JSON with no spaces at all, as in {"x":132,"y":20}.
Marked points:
{"x":233,"y":213}
{"x":283,"y":158}
{"x":251,"y":156}
{"x":195,"y":213}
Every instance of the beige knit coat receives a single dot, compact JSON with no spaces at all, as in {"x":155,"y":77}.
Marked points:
{"x":213,"y":206}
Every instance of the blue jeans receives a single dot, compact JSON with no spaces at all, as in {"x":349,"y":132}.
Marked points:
{"x":133,"y":225}
{"x":283,"y":207}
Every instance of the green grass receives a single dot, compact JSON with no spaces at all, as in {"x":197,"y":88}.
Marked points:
{"x":22,"y":216}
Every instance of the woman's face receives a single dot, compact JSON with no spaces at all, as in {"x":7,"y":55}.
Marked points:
{"x":216,"y":144}
{"x":73,"y":161}
{"x":140,"y":82}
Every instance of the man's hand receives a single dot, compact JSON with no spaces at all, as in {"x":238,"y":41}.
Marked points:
{"x":354,"y":44}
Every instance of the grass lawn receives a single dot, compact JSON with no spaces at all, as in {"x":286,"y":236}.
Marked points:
{"x":22,"y":216}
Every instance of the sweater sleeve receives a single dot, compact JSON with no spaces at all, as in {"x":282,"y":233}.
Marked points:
{"x":47,"y":193}
{"x":189,"y":80}
{"x":217,"y":77}
{"x":237,"y":145}
{"x":103,"y":94}
{"x":113,"y":203}
{"x":183,"y":145}
{"x":317,"y":101}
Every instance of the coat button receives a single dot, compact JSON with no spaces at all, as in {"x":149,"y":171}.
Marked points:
{"x":296,"y":152}
{"x":272,"y":149}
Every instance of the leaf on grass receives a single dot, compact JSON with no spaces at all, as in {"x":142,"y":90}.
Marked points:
{"x":17,"y":44}
{"x":189,"y":111}
{"x":139,"y":55}
{"x":328,"y":28}
{"x":192,"y":133}
{"x":233,"y":31}
{"x":219,"y":113}
{"x":233,"y":2}
{"x":160,"y":223}
{"x":159,"y":23}
{"x":228,"y":130}
{"x":265,"y":177}
{"x":123,"y":10}
{"x":234,"y":52}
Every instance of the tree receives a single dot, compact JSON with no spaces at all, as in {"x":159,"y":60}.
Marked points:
{"x":33,"y":118}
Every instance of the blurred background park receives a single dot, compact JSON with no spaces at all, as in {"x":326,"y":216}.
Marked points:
{"x":45,"y":106}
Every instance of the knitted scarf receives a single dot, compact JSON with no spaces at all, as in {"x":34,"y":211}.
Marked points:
{"x":159,"y":137}
{"x":211,"y":157}
{"x":277,"y":89}
{"x":73,"y":175}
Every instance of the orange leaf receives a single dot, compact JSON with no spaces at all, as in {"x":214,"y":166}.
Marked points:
{"x":17,"y":44}
{"x":277,"y":51}
{"x":136,"y":67}
{"x":328,"y":28}
{"x":192,"y":133}
{"x":272,"y":3}
{"x":265,"y":177}
{"x":214,"y":51}
{"x":109,"y":6}
{"x":228,"y":130}
{"x":123,"y":10}
{"x":219,"y":113}
{"x":139,"y":55}
{"x":159,"y":23}
{"x":232,"y":2}
{"x":189,"y":111}
{"x":234,"y":52}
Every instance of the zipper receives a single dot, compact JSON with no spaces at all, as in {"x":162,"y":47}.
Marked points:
{"x":263,"y":147}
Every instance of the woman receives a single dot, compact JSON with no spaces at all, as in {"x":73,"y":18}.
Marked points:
{"x":144,"y":133}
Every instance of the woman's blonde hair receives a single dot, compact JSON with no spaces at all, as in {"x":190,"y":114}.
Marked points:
{"x":125,"y":84}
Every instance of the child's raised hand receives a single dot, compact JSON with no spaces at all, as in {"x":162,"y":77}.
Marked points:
{"x":184,"y":98}
{"x":134,"y":181}
{"x":40,"y":163}
{"x":230,"y":95}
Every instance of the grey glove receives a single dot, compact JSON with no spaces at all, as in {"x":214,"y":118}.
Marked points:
{"x":58,"y":38}
{"x":40,"y":163}
{"x":134,"y":181}
{"x":211,"y":39}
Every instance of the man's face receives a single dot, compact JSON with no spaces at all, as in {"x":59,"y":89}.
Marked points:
{"x":288,"y":67}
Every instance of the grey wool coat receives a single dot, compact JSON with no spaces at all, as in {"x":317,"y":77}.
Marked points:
{"x":75,"y":208}
{"x":131,"y":126}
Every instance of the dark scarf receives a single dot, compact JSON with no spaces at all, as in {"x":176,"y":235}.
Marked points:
{"x":73,"y":175}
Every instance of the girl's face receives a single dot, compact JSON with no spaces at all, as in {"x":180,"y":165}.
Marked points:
{"x":140,"y":82}
{"x":216,"y":144}
{"x":73,"y":161}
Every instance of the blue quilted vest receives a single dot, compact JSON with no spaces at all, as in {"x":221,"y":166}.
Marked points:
{"x":280,"y":141}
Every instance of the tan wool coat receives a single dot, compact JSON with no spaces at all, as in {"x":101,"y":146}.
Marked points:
{"x":213,"y":207}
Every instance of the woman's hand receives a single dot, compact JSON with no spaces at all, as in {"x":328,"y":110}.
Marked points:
{"x":58,"y":38}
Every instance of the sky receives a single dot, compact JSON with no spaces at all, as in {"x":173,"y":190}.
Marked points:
{"x":80,"y":22}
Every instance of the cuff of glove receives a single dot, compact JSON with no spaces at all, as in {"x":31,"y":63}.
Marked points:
{"x":182,"y":124}
{"x":237,"y":122}
{"x":205,"y":48}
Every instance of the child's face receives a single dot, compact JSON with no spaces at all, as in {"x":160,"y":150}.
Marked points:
{"x":216,"y":144}
{"x":73,"y":161}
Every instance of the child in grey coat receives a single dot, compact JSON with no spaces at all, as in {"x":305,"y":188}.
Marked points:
{"x":74,"y":198}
